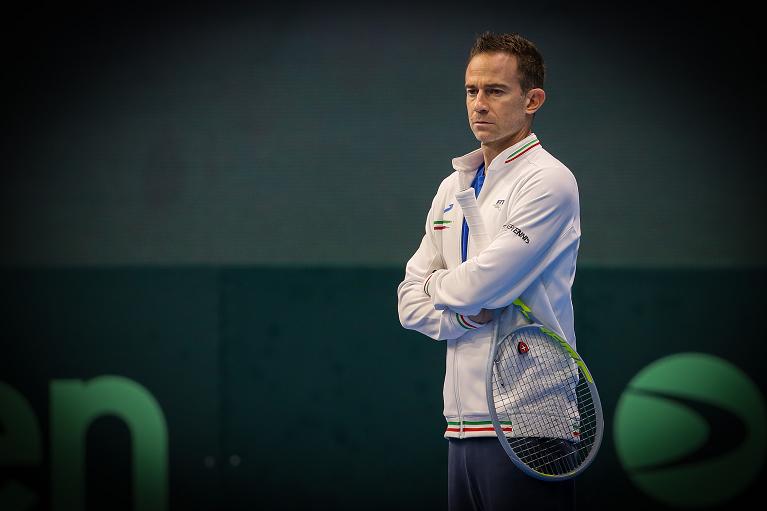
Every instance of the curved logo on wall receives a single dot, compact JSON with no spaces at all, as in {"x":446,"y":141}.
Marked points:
{"x":690,"y":430}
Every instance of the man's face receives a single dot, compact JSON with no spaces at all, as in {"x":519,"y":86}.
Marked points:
{"x":494,"y":99}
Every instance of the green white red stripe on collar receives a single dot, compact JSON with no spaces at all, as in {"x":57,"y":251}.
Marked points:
{"x":522,"y":150}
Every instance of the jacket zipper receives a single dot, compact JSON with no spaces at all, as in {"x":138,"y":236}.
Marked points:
{"x":455,"y":389}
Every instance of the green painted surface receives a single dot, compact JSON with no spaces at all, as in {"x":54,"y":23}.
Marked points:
{"x":298,"y":387}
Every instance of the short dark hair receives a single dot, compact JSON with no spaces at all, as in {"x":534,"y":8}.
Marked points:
{"x":530,"y":66}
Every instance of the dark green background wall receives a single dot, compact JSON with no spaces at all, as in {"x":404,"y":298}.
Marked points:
{"x":233,"y":134}
{"x":217,"y":202}
{"x":306,"y":376}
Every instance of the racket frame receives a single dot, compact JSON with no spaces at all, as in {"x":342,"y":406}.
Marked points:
{"x":502,"y":438}
{"x":466,"y":198}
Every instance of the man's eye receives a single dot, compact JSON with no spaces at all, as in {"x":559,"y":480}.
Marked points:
{"x":471,"y":92}
{"x":496,"y":92}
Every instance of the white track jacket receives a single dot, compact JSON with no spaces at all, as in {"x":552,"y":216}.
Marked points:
{"x":529,"y":204}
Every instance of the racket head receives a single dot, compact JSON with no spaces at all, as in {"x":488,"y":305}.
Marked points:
{"x":536,"y":381}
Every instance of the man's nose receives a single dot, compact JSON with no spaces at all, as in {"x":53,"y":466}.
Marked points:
{"x":480,"y":104}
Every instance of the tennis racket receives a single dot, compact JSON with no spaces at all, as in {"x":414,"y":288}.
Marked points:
{"x":542,"y":399}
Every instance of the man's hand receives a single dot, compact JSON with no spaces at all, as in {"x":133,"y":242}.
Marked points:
{"x":483,"y":317}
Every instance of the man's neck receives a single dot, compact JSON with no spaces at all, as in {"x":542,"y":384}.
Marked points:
{"x":493,"y":149}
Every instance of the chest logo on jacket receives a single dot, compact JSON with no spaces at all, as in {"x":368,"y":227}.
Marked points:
{"x":441,"y":225}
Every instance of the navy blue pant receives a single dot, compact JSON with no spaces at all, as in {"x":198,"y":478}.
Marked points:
{"x":481,"y":477}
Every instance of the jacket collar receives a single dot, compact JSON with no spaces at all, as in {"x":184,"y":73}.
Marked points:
{"x":471,"y":161}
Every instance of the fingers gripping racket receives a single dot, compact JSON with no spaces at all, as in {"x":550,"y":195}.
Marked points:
{"x":538,"y":384}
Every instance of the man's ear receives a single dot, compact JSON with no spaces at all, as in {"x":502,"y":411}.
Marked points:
{"x":534,"y":99}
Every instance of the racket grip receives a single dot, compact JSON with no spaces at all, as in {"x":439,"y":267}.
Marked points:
{"x":477,"y":232}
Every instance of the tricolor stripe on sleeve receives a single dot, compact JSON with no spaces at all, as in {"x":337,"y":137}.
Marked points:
{"x":465,"y":322}
{"x":426,"y":284}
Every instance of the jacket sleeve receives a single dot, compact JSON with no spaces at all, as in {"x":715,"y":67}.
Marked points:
{"x":541,"y":223}
{"x":415,"y":308}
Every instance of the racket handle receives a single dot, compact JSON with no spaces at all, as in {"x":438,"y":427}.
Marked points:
{"x":477,"y":232}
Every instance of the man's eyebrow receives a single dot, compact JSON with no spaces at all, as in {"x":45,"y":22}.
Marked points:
{"x":489,"y":86}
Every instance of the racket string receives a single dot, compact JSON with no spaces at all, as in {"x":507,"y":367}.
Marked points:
{"x":548,"y":401}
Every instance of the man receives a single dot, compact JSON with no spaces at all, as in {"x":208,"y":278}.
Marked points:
{"x":529,"y":203}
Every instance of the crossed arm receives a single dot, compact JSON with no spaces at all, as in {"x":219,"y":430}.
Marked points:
{"x":445,"y":303}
